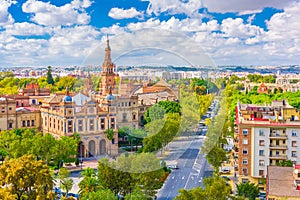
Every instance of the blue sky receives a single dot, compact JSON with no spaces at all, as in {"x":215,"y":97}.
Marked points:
{"x":154,"y":32}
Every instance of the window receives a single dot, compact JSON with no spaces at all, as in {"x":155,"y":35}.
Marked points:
{"x":91,"y":110}
{"x":261,"y":172}
{"x":261,"y":152}
{"x":245,"y":172}
{"x":102,"y":123}
{"x":124,"y":117}
{"x":245,"y":141}
{"x":261,"y":163}
{"x":80,"y":125}
{"x":3,"y":109}
{"x":28,"y":123}
{"x":10,"y":108}
{"x":33,"y":101}
{"x":129,"y":103}
{"x":294,"y":143}
{"x":23,"y":123}
{"x":245,"y":161}
{"x":261,"y":133}
{"x":294,"y":133}
{"x":245,"y":132}
{"x":294,"y":153}
{"x":261,"y":143}
{"x":10,"y":125}
{"x":70,"y":127}
{"x":277,"y":153}
{"x":245,"y":151}
{"x":91,"y":124}
{"x":133,"y":117}
{"x":112,"y":123}
{"x":32,"y":122}
{"x":70,"y":111}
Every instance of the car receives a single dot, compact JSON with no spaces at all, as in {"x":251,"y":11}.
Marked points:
{"x":226,"y":178}
{"x":225,"y":171}
{"x":173,"y":166}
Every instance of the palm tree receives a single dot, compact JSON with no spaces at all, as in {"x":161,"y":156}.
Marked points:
{"x":89,"y":182}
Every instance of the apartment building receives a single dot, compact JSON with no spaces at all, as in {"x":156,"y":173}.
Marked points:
{"x":267,"y":135}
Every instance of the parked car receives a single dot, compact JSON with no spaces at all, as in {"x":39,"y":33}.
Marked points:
{"x":226,"y":178}
{"x":173,"y":166}
{"x":225,"y":171}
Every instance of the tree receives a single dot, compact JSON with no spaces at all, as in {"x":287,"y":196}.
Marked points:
{"x":248,"y":190}
{"x":65,"y":182}
{"x":90,"y":182}
{"x":214,"y":188}
{"x":100,"y":194}
{"x":26,"y":178}
{"x":137,"y":194}
{"x":49,"y":76}
{"x":285,"y":163}
{"x":110,"y":136}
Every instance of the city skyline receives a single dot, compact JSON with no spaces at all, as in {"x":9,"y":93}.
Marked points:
{"x":148,"y":32}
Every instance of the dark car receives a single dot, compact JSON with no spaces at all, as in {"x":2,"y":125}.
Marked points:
{"x":226,"y":178}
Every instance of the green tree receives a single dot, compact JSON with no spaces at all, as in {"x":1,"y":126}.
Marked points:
{"x":65,"y":182}
{"x":90,"y":182}
{"x":248,"y":190}
{"x":27,"y":178}
{"x":110,"y":136}
{"x":100,"y":194}
{"x":137,"y":194}
{"x":214,"y":188}
{"x":285,"y":163}
{"x":49,"y":76}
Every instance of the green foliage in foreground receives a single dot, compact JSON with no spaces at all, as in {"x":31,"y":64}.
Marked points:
{"x":214,"y":188}
{"x":139,"y":175}
{"x":248,"y":190}
{"x":18,"y":142}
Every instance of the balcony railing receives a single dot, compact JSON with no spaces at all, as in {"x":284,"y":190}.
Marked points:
{"x":275,"y":146}
{"x":278,"y":156}
{"x":278,"y":136}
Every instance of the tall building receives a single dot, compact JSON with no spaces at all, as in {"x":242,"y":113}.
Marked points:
{"x":266,"y":135}
{"x":108,"y":73}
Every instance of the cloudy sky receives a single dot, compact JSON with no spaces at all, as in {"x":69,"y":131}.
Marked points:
{"x":150,"y":32}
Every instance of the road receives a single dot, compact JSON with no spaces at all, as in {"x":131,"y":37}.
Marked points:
{"x":192,"y":168}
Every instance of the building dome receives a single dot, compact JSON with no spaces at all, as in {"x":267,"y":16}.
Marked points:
{"x":110,"y":97}
{"x":67,"y":99}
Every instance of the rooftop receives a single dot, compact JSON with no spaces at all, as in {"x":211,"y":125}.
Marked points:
{"x":281,"y":182}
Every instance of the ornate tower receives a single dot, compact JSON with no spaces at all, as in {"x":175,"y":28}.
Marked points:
{"x":108,"y":73}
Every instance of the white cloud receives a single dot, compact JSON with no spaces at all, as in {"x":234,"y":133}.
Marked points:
{"x":114,"y":29}
{"x":27,"y":29}
{"x":237,"y":28}
{"x":51,"y":15}
{"x":119,"y":13}
{"x":189,"y":7}
{"x":5,"y":16}
{"x":243,"y":6}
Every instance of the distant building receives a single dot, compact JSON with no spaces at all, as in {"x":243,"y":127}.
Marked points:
{"x":283,"y":183}
{"x":266,"y":135}
{"x":12,"y":116}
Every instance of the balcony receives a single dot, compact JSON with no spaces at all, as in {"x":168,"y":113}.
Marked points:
{"x":278,"y":136}
{"x":278,"y":157}
{"x":275,"y":146}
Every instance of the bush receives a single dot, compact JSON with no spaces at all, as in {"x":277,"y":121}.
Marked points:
{"x":76,"y":162}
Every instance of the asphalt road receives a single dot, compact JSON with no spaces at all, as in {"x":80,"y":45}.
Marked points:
{"x":193,"y":168}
